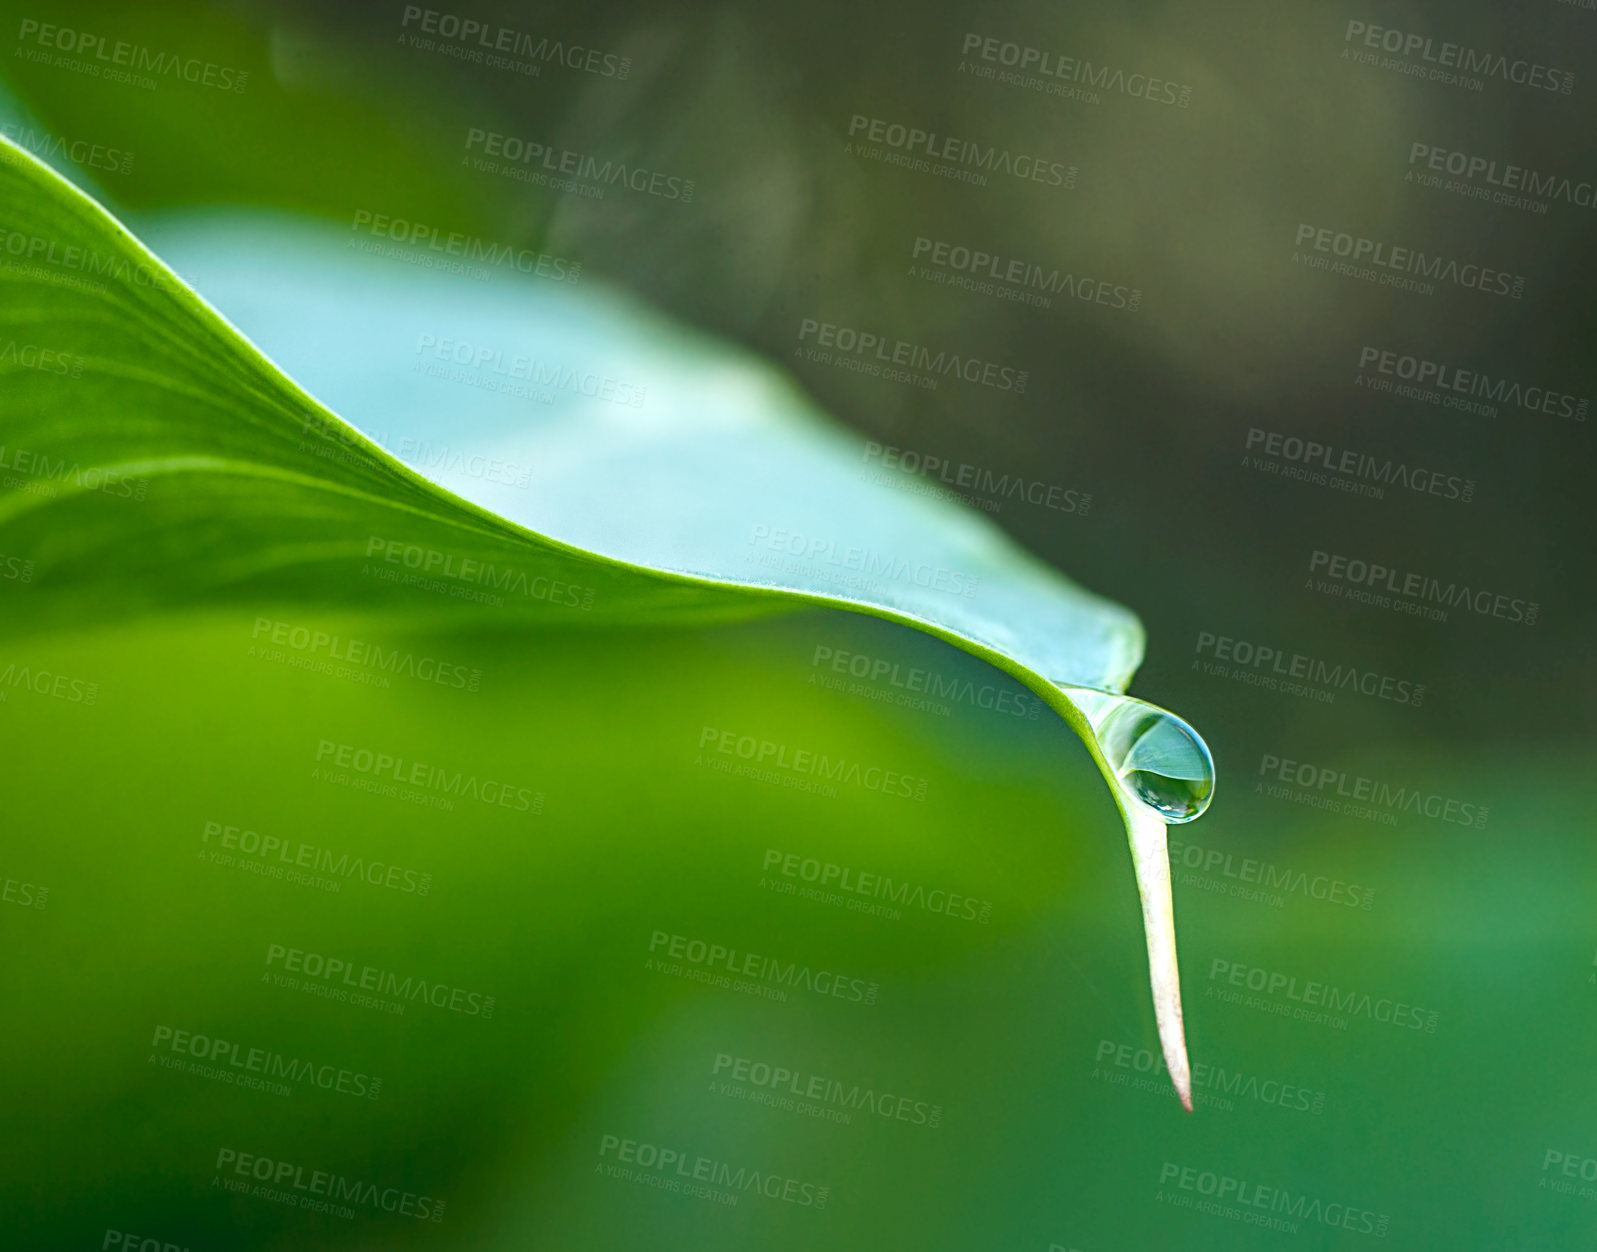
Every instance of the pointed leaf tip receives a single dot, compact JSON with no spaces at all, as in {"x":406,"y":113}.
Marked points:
{"x":1150,"y":855}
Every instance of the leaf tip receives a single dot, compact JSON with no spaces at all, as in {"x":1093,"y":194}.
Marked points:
{"x":1148,"y":847}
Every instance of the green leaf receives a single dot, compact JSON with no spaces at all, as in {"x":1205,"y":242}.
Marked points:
{"x":721,"y":496}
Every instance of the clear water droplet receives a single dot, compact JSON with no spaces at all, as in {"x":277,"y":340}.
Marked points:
{"x":1157,"y":758}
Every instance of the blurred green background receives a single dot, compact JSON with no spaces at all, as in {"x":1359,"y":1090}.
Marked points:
{"x":1031,"y":1031}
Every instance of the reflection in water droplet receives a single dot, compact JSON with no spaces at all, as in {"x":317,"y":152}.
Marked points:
{"x":1157,"y":758}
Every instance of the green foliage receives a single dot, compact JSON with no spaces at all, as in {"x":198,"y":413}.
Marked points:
{"x":211,"y":629}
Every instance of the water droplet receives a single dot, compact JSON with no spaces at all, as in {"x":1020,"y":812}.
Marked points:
{"x":1157,"y":758}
